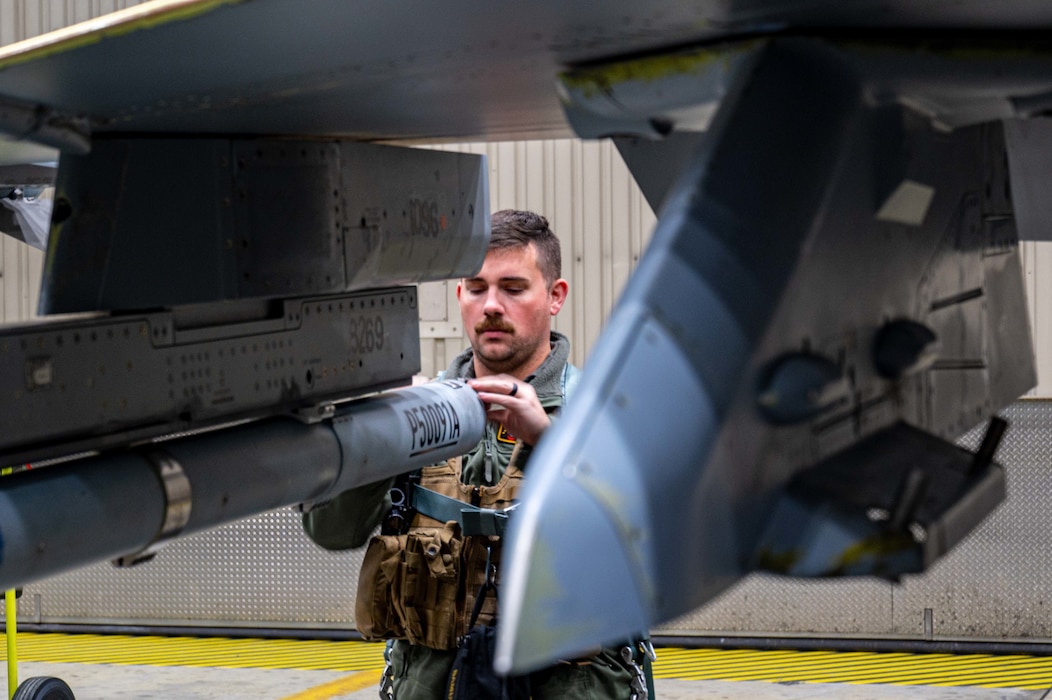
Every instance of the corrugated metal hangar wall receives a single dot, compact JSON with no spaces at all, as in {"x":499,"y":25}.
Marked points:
{"x":262,"y":572}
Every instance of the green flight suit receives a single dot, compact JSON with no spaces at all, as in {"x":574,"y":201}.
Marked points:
{"x":421,"y":673}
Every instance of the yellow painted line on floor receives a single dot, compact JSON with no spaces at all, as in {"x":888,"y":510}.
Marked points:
{"x":340,"y":686}
{"x":212,"y":652}
{"x":365,"y":660}
{"x":857,"y":668}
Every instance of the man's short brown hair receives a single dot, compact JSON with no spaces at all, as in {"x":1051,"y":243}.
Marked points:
{"x":512,"y":228}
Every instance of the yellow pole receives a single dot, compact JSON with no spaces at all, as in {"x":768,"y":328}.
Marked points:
{"x":11,"y":615}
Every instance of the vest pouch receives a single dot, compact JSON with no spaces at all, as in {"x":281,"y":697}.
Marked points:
{"x":430,"y":574}
{"x":376,"y":604}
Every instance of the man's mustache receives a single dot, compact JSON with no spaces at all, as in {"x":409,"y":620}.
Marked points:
{"x":493,"y":324}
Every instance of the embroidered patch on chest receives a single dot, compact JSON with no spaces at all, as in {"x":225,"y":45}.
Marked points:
{"x":504,"y":436}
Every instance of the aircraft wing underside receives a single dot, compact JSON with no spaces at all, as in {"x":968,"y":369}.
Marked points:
{"x":416,"y":70}
{"x":832,"y":295}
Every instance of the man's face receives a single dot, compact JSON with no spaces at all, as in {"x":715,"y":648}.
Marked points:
{"x":507,"y":309}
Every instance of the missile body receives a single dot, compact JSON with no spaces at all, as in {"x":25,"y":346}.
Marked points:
{"x":122,"y":505}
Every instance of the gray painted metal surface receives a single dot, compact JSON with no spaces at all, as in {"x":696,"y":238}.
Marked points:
{"x":327,"y":67}
{"x":237,"y":58}
{"x":1028,"y":140}
{"x":264,"y":572}
{"x":257,"y":218}
{"x":120,"y":504}
{"x":88,"y":383}
{"x":775,"y":245}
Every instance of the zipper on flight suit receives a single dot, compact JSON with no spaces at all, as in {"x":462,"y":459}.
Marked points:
{"x":487,"y":462}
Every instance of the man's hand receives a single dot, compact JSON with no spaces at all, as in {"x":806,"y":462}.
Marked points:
{"x":514,"y":403}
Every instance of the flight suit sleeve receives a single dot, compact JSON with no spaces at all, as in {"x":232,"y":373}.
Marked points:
{"x":348,"y":520}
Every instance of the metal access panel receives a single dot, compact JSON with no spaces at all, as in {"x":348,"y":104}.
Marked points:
{"x":98,"y":382}
{"x":141,"y":223}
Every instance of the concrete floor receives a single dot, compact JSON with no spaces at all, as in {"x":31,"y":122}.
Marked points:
{"x":114,"y":682}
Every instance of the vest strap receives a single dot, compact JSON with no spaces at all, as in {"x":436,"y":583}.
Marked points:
{"x":474,"y":521}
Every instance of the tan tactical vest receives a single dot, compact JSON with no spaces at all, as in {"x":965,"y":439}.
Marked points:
{"x":422,"y":585}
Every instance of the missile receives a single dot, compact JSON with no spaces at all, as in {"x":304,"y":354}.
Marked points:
{"x":124,"y":505}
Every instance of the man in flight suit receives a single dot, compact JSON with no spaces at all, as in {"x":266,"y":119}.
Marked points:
{"x":520,"y":369}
